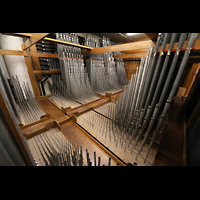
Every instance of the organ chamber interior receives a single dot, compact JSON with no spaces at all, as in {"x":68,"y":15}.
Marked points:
{"x":86,"y":106}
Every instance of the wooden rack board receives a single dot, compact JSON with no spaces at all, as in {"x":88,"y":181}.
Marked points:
{"x":76,"y":134}
{"x":73,"y":132}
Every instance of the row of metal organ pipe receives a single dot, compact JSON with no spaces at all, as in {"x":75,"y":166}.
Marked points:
{"x":136,"y":117}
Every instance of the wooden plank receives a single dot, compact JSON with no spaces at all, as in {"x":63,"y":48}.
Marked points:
{"x":27,"y":53}
{"x":46,"y":106}
{"x":25,"y":35}
{"x":132,"y":55}
{"x":121,"y":47}
{"x":36,"y":129}
{"x":51,"y":71}
{"x":40,"y":126}
{"x":35,"y":37}
{"x":88,"y":106}
{"x":136,"y":51}
{"x":196,"y":45}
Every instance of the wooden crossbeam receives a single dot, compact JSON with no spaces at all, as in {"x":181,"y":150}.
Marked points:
{"x":52,"y":71}
{"x":132,"y":55}
{"x":27,"y":53}
{"x":35,"y":37}
{"x":121,"y":47}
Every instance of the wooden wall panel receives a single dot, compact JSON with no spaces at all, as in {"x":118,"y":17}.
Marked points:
{"x":130,"y":67}
{"x":190,"y":77}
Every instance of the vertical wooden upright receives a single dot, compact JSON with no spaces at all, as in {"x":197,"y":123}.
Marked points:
{"x":36,"y":66}
{"x":31,"y":74}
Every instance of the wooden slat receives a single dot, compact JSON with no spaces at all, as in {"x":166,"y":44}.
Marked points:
{"x":25,"y":35}
{"x":40,"y":126}
{"x":87,"y":107}
{"x":52,"y":71}
{"x":46,"y":106}
{"x":136,"y":51}
{"x":121,"y":47}
{"x":196,"y":45}
{"x":27,"y":53}
{"x":132,"y":55}
{"x":35,"y":37}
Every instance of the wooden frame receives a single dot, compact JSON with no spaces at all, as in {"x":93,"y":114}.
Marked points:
{"x":35,"y":37}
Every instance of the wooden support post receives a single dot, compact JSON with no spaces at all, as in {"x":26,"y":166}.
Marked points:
{"x":35,"y":61}
{"x":36,"y":66}
{"x":31,"y":74}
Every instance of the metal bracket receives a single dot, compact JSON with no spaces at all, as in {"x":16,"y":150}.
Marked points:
{"x":188,"y":50}
{"x":178,"y":51}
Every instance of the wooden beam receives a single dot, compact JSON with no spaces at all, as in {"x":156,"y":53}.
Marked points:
{"x":136,"y":51}
{"x":25,"y":35}
{"x":196,"y":45}
{"x":31,"y":74}
{"x":121,"y":47}
{"x":52,"y":71}
{"x":35,"y":37}
{"x":27,"y":53}
{"x":131,"y":55}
